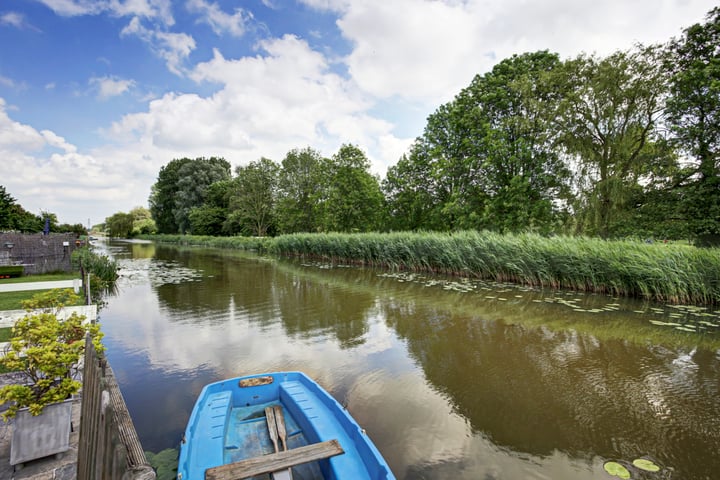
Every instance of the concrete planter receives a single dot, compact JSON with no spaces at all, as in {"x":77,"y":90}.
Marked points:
{"x":43,"y":435}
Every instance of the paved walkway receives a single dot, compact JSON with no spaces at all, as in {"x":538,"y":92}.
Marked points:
{"x":20,"y":287}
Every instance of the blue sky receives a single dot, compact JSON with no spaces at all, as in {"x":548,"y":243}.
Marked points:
{"x":97,"y":95}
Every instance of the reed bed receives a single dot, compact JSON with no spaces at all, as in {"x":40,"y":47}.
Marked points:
{"x":668,"y":273}
{"x":259,"y":244}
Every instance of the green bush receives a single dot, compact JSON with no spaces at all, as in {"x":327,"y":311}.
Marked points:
{"x":11,"y":271}
{"x":46,"y":350}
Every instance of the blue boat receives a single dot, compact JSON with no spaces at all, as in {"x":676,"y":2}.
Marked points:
{"x":279,"y":426}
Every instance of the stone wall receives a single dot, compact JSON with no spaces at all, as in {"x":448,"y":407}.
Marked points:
{"x":38,"y":253}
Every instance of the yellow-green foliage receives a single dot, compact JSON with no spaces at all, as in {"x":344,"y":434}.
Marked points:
{"x":52,"y":299}
{"x":46,"y":349}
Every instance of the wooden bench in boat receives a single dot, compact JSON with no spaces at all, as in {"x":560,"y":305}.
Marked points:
{"x":274,"y":461}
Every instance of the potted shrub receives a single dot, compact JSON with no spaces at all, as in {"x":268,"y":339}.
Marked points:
{"x":47,"y":351}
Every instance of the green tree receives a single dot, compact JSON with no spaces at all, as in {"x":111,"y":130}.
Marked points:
{"x":487,"y":159}
{"x":252,"y":198}
{"x":163,"y":194}
{"x":119,"y":225}
{"x":609,"y":118}
{"x":7,"y":202}
{"x":353,"y":200}
{"x":516,"y":166}
{"x":194,"y":178}
{"x":211,"y":216}
{"x":143,"y":224}
{"x":299,"y":190}
{"x":693,"y":113}
{"x":410,"y":191}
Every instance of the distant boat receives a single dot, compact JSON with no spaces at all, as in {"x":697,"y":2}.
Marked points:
{"x":282,"y":424}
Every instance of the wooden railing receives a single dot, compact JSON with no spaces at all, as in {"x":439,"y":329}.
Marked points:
{"x":109,"y":448}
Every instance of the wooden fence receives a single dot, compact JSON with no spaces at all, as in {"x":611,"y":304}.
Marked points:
{"x":109,"y":448}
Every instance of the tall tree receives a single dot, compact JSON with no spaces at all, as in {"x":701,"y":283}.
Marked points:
{"x":299,"y":186}
{"x":408,"y":189}
{"x":142,"y":221}
{"x":210,"y":217}
{"x":163,"y":194}
{"x":518,"y":170}
{"x":253,"y":195}
{"x":353,"y":200}
{"x":194,"y":178}
{"x":693,"y":113}
{"x":487,"y":159}
{"x":7,"y":202}
{"x":119,"y":225}
{"x":609,"y":118}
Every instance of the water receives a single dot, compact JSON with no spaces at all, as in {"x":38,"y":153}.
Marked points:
{"x":450,"y":378}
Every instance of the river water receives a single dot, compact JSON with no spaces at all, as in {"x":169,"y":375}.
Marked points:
{"x":450,"y":378}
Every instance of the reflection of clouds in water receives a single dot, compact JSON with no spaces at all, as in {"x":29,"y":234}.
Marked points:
{"x":679,"y":377}
{"x":444,"y":444}
{"x":655,"y":389}
{"x":231,"y":342}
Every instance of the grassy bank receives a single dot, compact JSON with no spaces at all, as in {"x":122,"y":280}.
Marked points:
{"x":661,"y":272}
{"x":259,"y":244}
{"x":13,"y":300}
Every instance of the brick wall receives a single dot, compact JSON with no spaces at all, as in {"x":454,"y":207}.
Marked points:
{"x":38,"y":253}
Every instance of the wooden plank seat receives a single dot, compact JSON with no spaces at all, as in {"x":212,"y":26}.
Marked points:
{"x":274,"y":461}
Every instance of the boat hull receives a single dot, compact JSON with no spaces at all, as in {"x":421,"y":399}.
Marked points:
{"x":228,"y":425}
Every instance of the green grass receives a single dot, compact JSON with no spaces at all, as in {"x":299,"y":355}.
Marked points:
{"x":5,"y":334}
{"x":41,"y":278}
{"x":13,"y":300}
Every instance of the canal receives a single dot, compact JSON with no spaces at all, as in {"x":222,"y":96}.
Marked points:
{"x":451,"y":378}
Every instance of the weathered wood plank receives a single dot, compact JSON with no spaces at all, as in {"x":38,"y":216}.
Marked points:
{"x":274,"y":461}
{"x":255,"y":382}
{"x":280,"y":423}
{"x":272,"y":428}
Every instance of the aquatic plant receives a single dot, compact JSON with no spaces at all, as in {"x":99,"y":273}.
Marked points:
{"x":662,"y":272}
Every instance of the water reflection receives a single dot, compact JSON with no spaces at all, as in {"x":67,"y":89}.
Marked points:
{"x":449,"y":384}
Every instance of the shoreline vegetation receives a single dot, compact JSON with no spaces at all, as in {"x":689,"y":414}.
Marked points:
{"x":662,"y":272}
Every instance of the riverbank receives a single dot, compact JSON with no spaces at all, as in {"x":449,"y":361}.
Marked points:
{"x":667,"y":273}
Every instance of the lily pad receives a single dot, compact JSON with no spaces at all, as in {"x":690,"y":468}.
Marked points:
{"x":616,"y":470}
{"x":646,"y":465}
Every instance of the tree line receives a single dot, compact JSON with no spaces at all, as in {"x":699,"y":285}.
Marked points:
{"x":615,"y":146}
{"x":13,"y":217}
{"x":305,"y":193}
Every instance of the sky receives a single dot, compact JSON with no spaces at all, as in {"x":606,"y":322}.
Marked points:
{"x":97,"y":95}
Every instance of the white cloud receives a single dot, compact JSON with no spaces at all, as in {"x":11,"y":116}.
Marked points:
{"x":54,"y":140}
{"x":108,"y":87}
{"x":48,"y":173}
{"x":218,"y":20}
{"x":266,"y":105}
{"x":152,"y":9}
{"x":8,"y":82}
{"x":174,"y":48}
{"x":14,"y":19}
{"x":427,"y":51}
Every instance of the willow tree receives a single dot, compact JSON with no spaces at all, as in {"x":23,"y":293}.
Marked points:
{"x":609,"y":118}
